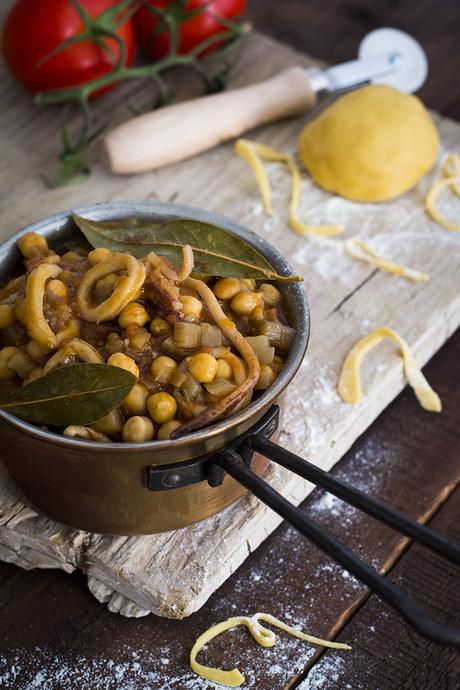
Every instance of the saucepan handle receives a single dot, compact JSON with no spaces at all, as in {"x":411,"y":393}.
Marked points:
{"x":233,"y":464}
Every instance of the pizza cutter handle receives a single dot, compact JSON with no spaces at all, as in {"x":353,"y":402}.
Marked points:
{"x":182,"y":130}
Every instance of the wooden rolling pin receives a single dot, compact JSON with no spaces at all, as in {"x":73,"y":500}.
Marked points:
{"x":179,"y":131}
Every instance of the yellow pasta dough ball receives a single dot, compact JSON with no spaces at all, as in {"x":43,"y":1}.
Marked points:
{"x":162,"y":407}
{"x":372,"y":144}
{"x":119,"y":359}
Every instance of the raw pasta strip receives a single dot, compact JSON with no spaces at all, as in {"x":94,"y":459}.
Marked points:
{"x":451,"y":168}
{"x":451,"y":172}
{"x":359,"y":249}
{"x":262,"y":635}
{"x":253,"y":152}
{"x":349,"y":386}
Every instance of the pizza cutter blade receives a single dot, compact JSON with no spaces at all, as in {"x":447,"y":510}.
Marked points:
{"x":386,"y":56}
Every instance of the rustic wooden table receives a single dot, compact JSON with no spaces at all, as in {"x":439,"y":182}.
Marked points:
{"x":54,"y":635}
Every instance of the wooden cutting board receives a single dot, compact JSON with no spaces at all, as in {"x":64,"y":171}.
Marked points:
{"x":173,"y":574}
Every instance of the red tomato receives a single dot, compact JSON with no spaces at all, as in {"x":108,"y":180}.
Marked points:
{"x":191,"y":31}
{"x":34,"y":28}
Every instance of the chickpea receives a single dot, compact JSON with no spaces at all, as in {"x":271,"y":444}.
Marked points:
{"x":203,"y":367}
{"x":165,"y":430}
{"x":137,"y":430}
{"x":191,"y":306}
{"x":163,"y":368}
{"x":250,"y":283}
{"x":133,"y":313}
{"x":224,"y":370}
{"x":6,"y":353}
{"x":19,"y":310}
{"x":227,"y":288}
{"x":136,"y":400}
{"x":7,"y":317}
{"x":119,"y":359}
{"x":114,"y":343}
{"x":266,"y":378}
{"x":162,"y":407}
{"x":98,"y":255}
{"x":244,"y":303}
{"x":56,"y":289}
{"x":257,"y":315}
{"x":270,"y":294}
{"x":111,"y":424}
{"x":32,"y":245}
{"x":159,"y":326}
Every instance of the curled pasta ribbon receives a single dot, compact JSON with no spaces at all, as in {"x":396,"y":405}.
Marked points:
{"x":253,"y":152}
{"x":451,"y":168}
{"x":126,"y":288}
{"x":349,"y":386}
{"x":233,"y":335}
{"x":262,"y":635}
{"x":238,"y":368}
{"x":74,"y":348}
{"x":451,"y":172}
{"x":361,"y":250}
{"x":37,"y":326}
{"x":188,"y":262}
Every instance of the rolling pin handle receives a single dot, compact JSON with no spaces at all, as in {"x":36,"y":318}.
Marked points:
{"x":182,"y":130}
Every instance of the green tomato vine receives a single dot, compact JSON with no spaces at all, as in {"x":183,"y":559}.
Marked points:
{"x":72,"y":161}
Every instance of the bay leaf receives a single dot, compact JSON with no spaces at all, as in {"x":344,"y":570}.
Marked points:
{"x":217,"y":252}
{"x":74,"y":394}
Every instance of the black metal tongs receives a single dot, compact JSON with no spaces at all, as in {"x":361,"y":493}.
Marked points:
{"x":236,"y":460}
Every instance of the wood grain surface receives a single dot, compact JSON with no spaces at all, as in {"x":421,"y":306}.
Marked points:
{"x":173,"y":574}
{"x":56,"y":636}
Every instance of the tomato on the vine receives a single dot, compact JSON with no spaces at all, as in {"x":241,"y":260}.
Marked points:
{"x":192,"y":31}
{"x":33,"y":31}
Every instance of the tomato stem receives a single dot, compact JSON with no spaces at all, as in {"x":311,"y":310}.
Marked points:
{"x":103,"y":27}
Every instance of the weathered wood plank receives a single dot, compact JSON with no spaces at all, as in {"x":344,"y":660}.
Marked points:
{"x":174,"y":574}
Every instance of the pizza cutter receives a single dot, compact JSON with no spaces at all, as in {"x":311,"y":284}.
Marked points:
{"x":148,"y":141}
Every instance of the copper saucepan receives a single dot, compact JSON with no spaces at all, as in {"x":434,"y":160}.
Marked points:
{"x":129,"y":488}
{"x":105,"y":489}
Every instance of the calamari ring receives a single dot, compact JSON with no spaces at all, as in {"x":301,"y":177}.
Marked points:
{"x":125,"y":291}
{"x":37,"y":326}
{"x":74,"y":348}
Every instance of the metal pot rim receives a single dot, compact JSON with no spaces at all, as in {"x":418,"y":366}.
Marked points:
{"x":144,"y":209}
